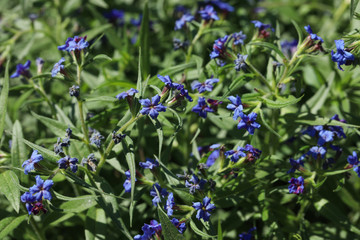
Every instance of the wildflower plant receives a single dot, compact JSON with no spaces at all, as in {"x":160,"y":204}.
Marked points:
{"x":212,"y":120}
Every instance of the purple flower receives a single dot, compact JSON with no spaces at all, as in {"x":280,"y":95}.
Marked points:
{"x":235,"y":106}
{"x":90,"y":161}
{"x":325,"y":136}
{"x":181,"y":226}
{"x":317,"y":152}
{"x":117,"y":137}
{"x":136,"y":22}
{"x":261,"y":26}
{"x":58,"y":67}
{"x":149,"y":230}
{"x":208,"y":13}
{"x":219,"y":47}
{"x":214,"y":155}
{"x":206,"y":86}
{"x":28,"y":198}
{"x":129,"y":93}
{"x":296,"y":185}
{"x":235,"y":154}
{"x":203,"y":209}
{"x":152,"y":108}
{"x":67,"y":161}
{"x":194,"y":184}
{"x":239,"y":38}
{"x":170,"y":203}
{"x":289,"y":47}
{"x":202,"y":108}
{"x":240,"y":63}
{"x":162,"y":191}
{"x":248,"y":122}
{"x":37,"y":207}
{"x":184,"y":92}
{"x":168,"y":82}
{"x":313,"y":36}
{"x":28,"y":165}
{"x":150,"y":163}
{"x":115,"y":16}
{"x":75,"y":43}
{"x":353,"y":159}
{"x":251,"y":152}
{"x":186,"y":17}
{"x":96,"y":138}
{"x":22,"y":70}
{"x":221,"y":5}
{"x":341,"y":56}
{"x":42,"y":189}
{"x":295,"y":164}
{"x":127,"y":183}
{"x":248,"y":235}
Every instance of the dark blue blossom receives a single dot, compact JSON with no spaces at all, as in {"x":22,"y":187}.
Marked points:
{"x":261,"y":26}
{"x":341,"y":56}
{"x":181,"y":226}
{"x":235,"y":106}
{"x":115,"y":16}
{"x":214,"y":103}
{"x":28,"y":198}
{"x":296,"y":185}
{"x":186,"y":17}
{"x":136,"y":22}
{"x":221,"y":5}
{"x":90,"y":162}
{"x":202,"y":108}
{"x":168,"y":82}
{"x":328,"y":163}
{"x":96,"y":138}
{"x":149,"y":230}
{"x":203,"y":209}
{"x":37,"y":207}
{"x":239,"y":38}
{"x":317,"y":151}
{"x":22,"y":70}
{"x":248,"y":122}
{"x":150,"y":163}
{"x":68,"y":161}
{"x":58,"y":67}
{"x":219,"y":48}
{"x":235,"y":154}
{"x":353,"y":159}
{"x":75,"y":43}
{"x":208,"y":13}
{"x":295,"y":164}
{"x":162,"y":191}
{"x":117,"y":137}
{"x":28,"y":165}
{"x":170,"y":204}
{"x":240,"y":63}
{"x":313,"y":36}
{"x":251,"y":152}
{"x":289,"y":47}
{"x":42,"y":189}
{"x":325,"y":136}
{"x":129,"y":93}
{"x":248,"y":235}
{"x":178,"y":44}
{"x":214,"y":155}
{"x":74,"y":91}
{"x":184,"y":93}
{"x":194,"y":184}
{"x":127,"y":183}
{"x":153,"y":107}
{"x":205,"y":86}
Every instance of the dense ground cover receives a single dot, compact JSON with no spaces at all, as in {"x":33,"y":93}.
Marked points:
{"x":179,"y":119}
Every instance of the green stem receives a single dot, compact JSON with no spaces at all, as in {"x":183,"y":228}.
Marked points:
{"x":261,"y":77}
{"x":197,"y":36}
{"x":41,"y":91}
{"x":36,"y":229}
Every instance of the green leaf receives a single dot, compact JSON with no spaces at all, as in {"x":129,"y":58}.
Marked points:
{"x":169,"y":231}
{"x":4,"y":99}
{"x":184,"y":195}
{"x":102,"y":58}
{"x":267,"y":125}
{"x":9,"y":224}
{"x":46,"y":153}
{"x":95,"y":224}
{"x":160,"y":134}
{"x":199,"y":232}
{"x":9,"y":187}
{"x":270,"y":46}
{"x":353,"y":6}
{"x":79,"y":204}
{"x":330,"y":173}
{"x":220,"y":235}
{"x":144,"y":42}
{"x":62,"y":117}
{"x":281,"y":102}
{"x":102,"y":99}
{"x":299,"y":32}
{"x":18,"y":149}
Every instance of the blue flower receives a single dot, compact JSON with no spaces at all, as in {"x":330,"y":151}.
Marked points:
{"x":205,"y":86}
{"x":75,"y":43}
{"x":295,"y":164}
{"x":28,"y":165}
{"x":325,"y":136}
{"x":248,"y":122}
{"x":168,"y":82}
{"x":42,"y":189}
{"x":58,"y":67}
{"x":219,"y":47}
{"x":162,"y":191}
{"x":317,"y":152}
{"x":74,"y":91}
{"x":214,"y":155}
{"x":341,"y":56}
{"x":90,"y":162}
{"x":96,"y":138}
{"x":149,"y":230}
{"x":202,"y":108}
{"x":251,"y":152}
{"x":186,"y":17}
{"x":261,"y":26}
{"x":28,"y":198}
{"x":150,"y":163}
{"x":136,"y":22}
{"x":184,"y":93}
{"x":203,"y":209}
{"x":129,"y":93}
{"x":296,"y":185}
{"x":239,"y":38}
{"x":235,"y":106}
{"x":152,"y":107}
{"x":67,"y":161}
{"x":117,"y":137}
{"x":115,"y":16}
{"x":248,"y":235}
{"x":313,"y":36}
{"x":235,"y":154}
{"x":127,"y":183}
{"x":178,"y":44}
{"x":170,"y":203}
{"x":353,"y":159}
{"x":289,"y":47}
{"x":22,"y":70}
{"x":208,"y":13}
{"x":221,"y":5}
{"x":181,"y":226}
{"x":194,"y":184}
{"x":240,"y":63}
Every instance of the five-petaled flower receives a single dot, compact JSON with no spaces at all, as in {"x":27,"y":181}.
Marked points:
{"x":186,"y":17}
{"x":22,"y":70}
{"x":28,"y":165}
{"x":194,"y":184}
{"x":205,"y":86}
{"x":153,"y":107}
{"x":150,"y":163}
{"x":235,"y":106}
{"x":96,"y":138}
{"x":248,"y":122}
{"x":235,"y":154}
{"x":202,"y":108}
{"x":68,"y":161}
{"x":208,"y":13}
{"x":75,"y":43}
{"x":58,"y":67}
{"x":296,"y":185}
{"x":42,"y":189}
{"x":239,"y":38}
{"x":341,"y":56}
{"x":317,"y":151}
{"x":168,"y":82}
{"x":203,"y":209}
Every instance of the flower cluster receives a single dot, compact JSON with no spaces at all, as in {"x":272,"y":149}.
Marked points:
{"x":74,"y":44}
{"x":58,"y":146}
{"x":354,"y":162}
{"x":149,"y":230}
{"x":341,"y":56}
